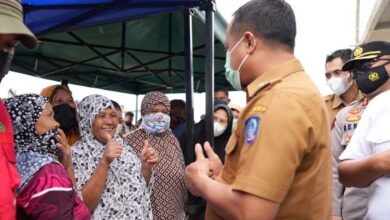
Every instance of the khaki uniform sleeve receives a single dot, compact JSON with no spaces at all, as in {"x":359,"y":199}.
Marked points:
{"x":268,"y":163}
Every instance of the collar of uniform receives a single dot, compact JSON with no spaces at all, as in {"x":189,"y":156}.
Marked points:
{"x":337,"y":101}
{"x":274,"y":75}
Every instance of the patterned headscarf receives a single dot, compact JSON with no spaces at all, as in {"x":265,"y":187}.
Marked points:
{"x":125,"y":195}
{"x":33,"y":151}
{"x":169,"y":190}
{"x":153,"y":98}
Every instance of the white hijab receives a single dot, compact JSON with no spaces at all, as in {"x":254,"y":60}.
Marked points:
{"x":126,"y":195}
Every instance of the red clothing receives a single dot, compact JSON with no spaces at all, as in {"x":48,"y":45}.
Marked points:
{"x":50,"y":195}
{"x":9,"y":180}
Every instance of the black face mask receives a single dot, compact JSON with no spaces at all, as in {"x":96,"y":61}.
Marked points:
{"x":371,"y":80}
{"x":5,"y":63}
{"x":65,"y":116}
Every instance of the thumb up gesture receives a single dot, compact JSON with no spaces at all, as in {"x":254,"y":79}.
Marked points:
{"x":149,"y":156}
{"x":112,"y":150}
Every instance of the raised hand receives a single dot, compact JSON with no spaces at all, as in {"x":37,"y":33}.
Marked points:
{"x":215,"y":163}
{"x":112,"y":150}
{"x":149,"y":156}
{"x":197,"y":171}
{"x":63,"y":146}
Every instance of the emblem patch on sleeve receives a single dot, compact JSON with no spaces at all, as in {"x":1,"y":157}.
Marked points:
{"x":252,"y":125}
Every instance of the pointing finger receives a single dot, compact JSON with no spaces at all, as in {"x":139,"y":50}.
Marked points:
{"x":199,"y":152}
{"x":209,"y":151}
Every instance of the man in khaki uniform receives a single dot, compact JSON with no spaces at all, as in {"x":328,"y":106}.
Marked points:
{"x":278,"y":160}
{"x":340,"y":82}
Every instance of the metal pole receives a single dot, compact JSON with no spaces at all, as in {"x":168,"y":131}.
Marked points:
{"x":357,"y":22}
{"x":136,"y":109}
{"x":189,"y":79}
{"x":209,"y":8}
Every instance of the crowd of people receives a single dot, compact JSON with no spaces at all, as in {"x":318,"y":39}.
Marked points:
{"x":288,"y":154}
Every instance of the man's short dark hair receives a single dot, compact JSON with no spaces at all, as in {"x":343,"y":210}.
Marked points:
{"x":129,"y":114}
{"x":271,"y":20}
{"x":343,"y":54}
{"x":222,"y":89}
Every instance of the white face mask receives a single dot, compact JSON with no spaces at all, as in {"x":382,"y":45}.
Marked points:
{"x":339,"y":85}
{"x":218,"y":129}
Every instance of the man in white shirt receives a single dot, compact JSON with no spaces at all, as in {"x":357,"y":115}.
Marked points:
{"x":366,"y":160}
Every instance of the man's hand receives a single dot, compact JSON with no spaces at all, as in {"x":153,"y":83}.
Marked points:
{"x":112,"y":150}
{"x":197,"y":172}
{"x":215,"y":164}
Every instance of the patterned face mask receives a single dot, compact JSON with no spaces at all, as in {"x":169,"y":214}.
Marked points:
{"x":155,"y":123}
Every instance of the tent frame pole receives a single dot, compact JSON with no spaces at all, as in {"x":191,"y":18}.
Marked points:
{"x":189,"y":78}
{"x":209,"y":7}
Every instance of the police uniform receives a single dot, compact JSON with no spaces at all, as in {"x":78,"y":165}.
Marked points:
{"x":334,"y":104}
{"x":348,"y":202}
{"x":280,"y":150}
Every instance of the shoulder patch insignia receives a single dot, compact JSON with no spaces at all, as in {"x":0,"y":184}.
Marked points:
{"x":252,"y":125}
{"x":259,"y":108}
{"x":355,"y":111}
{"x":352,"y":118}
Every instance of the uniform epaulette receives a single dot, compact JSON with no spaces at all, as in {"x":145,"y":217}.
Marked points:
{"x":268,"y":83}
{"x":328,"y":97}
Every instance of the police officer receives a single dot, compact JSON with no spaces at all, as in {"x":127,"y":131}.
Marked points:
{"x":365,"y":162}
{"x":12,"y":30}
{"x":278,"y":160}
{"x":340,"y":82}
{"x":348,"y":203}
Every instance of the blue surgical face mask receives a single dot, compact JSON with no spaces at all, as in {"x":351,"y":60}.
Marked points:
{"x":233,"y":76}
{"x":155,"y":123}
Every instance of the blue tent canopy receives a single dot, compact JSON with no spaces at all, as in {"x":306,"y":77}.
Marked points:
{"x":52,"y":17}
{"x":43,"y":16}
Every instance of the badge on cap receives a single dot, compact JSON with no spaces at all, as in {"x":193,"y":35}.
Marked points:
{"x":252,"y":125}
{"x":358,"y":51}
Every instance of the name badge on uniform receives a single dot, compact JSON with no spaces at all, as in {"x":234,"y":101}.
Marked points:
{"x":252,"y":125}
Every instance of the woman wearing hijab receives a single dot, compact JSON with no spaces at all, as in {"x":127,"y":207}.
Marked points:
{"x":114,"y":183}
{"x":64,"y":107}
{"x":223,"y":120}
{"x":46,"y":191}
{"x":169,"y":190}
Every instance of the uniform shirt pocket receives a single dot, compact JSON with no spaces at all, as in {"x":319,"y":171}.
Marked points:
{"x":379,"y":136}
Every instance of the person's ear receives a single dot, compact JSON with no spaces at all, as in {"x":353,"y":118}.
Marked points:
{"x":250,"y":40}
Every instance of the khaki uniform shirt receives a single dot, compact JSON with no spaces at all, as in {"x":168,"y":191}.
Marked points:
{"x":348,"y":202}
{"x":280,"y":150}
{"x":334,"y":104}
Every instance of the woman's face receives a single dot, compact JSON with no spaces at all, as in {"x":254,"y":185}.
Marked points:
{"x":105,"y":123}
{"x":63,"y":97}
{"x":221,"y":117}
{"x":158,"y":108}
{"x":46,"y":121}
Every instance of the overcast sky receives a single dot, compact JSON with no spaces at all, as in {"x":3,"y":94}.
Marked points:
{"x":322,"y":27}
